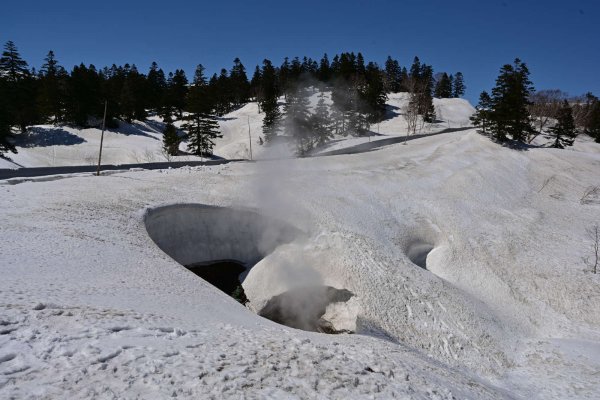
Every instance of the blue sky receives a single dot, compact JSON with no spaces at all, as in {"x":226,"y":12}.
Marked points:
{"x":559,"y":40}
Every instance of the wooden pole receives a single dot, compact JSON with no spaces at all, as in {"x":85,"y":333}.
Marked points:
{"x":249,"y":138}
{"x":102,"y":138}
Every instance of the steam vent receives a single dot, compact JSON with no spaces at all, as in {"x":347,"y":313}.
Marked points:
{"x":221,"y":245}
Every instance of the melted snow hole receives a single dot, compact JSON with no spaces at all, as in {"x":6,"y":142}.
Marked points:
{"x":221,"y":245}
{"x":418,"y":251}
{"x":322,"y":309}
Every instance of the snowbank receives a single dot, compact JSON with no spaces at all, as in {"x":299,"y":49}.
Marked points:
{"x":506,"y":306}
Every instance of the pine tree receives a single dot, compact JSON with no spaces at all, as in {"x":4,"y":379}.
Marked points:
{"x":443,"y":87}
{"x":564,"y":130}
{"x":52,"y":84}
{"x":458,"y":89}
{"x":12,"y":66}
{"x":268,"y":103}
{"x":171,"y":139}
{"x":393,"y":75}
{"x":223,"y":92}
{"x":510,"y":99}
{"x":6,"y":136}
{"x":127,"y":102}
{"x":415,"y":70}
{"x":21,"y":87}
{"x":324,"y":73}
{"x":178,"y":90}
{"x":404,"y":80}
{"x":239,"y":83}
{"x":374,"y":94}
{"x":297,"y":120}
{"x":320,"y":122}
{"x":84,"y":98}
{"x":255,"y":86}
{"x":481,"y":118}
{"x":156,"y":87}
{"x":425,"y":90}
{"x":200,"y":124}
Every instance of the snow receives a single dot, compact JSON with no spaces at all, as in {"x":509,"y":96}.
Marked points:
{"x":141,"y":142}
{"x":91,"y":307}
{"x":5,"y":163}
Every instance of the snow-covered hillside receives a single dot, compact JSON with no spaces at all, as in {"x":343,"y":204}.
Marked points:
{"x":141,"y":142}
{"x":502,"y":305}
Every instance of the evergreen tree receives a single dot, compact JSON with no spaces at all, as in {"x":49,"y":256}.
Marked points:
{"x":443,"y":87}
{"x":510,"y":99}
{"x":320,"y":122}
{"x":21,"y":87}
{"x":415,"y":70}
{"x":223,"y":92}
{"x":200,"y":124}
{"x":425,"y":89}
{"x":239,"y":83}
{"x":171,"y":139}
{"x":458,"y":89}
{"x":297,"y":120}
{"x":255,"y":86}
{"x":178,"y":90}
{"x":85,"y":97}
{"x":481,"y":118}
{"x":12,"y":66}
{"x":564,"y":130}
{"x":6,"y":135}
{"x":374,"y":95}
{"x":393,"y":75}
{"x":404,"y":80}
{"x":285,"y":77}
{"x":360,"y":64}
{"x":138,"y":84}
{"x":127,"y":101}
{"x":324,"y":72}
{"x":156,"y":87}
{"x":268,"y":103}
{"x":52,"y":89}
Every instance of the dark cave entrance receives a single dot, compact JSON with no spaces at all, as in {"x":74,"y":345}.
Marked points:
{"x":224,"y":275}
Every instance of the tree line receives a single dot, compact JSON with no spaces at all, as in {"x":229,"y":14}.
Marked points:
{"x":358,"y":94}
{"x":515,"y":111}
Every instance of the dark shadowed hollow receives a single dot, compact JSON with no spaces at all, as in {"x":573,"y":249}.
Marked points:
{"x":418,"y":251}
{"x":224,"y":275}
{"x":303,"y":308}
{"x":221,"y":245}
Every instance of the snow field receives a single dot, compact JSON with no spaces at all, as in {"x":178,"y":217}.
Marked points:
{"x":506,"y":307}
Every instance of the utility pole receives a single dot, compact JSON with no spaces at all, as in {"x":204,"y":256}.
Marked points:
{"x":249,"y":138}
{"x":102,"y":137}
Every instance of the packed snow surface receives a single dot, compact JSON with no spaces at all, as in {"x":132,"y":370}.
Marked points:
{"x":503,"y":304}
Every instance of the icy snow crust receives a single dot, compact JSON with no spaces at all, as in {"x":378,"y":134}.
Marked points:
{"x":91,"y":307}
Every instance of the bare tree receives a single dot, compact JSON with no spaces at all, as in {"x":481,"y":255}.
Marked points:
{"x":411,"y":114}
{"x":545,"y":105}
{"x":593,"y":234}
{"x":582,"y":109}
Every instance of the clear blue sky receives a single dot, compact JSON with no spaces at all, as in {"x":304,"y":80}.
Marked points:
{"x":559,"y":40}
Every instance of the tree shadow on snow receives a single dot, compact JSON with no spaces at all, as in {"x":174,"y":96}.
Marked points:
{"x":391,"y":112}
{"x":38,"y":136}
{"x":136,"y":129}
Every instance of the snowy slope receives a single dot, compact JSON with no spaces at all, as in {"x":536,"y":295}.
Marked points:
{"x":48,"y":145}
{"x":91,"y":307}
